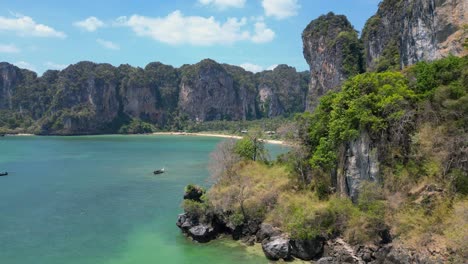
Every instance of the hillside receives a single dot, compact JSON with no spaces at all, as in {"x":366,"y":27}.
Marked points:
{"x":377,"y":174}
{"x":90,"y":98}
{"x":378,"y":170}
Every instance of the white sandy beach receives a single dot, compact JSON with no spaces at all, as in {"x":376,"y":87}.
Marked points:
{"x":269,"y":141}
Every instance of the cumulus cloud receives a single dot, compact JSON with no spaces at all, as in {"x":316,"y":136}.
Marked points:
{"x":256,"y":68}
{"x":251,"y":67}
{"x":176,"y":29}
{"x":223,"y":4}
{"x":9,"y":48}
{"x":90,"y":24}
{"x":26,"y":26}
{"x":280,"y":9}
{"x":272,"y":67}
{"x":25,"y":65}
{"x":55,"y":66}
{"x":262,"y":33}
{"x":108,"y":44}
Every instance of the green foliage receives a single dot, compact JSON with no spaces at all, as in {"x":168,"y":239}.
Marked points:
{"x":252,"y":147}
{"x":193,"y":187}
{"x":250,"y":192}
{"x":199,"y":210}
{"x":325,"y":24}
{"x":460,"y":181}
{"x":367,"y":102}
{"x":351,"y":48}
{"x":390,"y":58}
{"x":425,"y":76}
{"x":137,"y":127}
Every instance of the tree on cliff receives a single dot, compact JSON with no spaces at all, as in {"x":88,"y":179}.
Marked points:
{"x":252,"y":146}
{"x":223,"y":160}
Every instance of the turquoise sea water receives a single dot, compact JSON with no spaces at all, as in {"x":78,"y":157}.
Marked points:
{"x":94,"y":199}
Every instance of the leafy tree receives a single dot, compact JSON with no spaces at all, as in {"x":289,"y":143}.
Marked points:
{"x":252,"y":146}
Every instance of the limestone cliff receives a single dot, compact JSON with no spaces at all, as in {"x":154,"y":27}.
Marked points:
{"x":357,"y":162}
{"x":95,"y":98}
{"x":333,"y":52}
{"x":403,"y":32}
{"x":10,"y":77}
{"x":282,"y":91}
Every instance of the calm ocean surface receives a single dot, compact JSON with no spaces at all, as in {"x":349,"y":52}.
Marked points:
{"x":94,"y":199}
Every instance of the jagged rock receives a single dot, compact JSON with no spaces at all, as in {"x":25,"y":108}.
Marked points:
{"x":357,"y":163}
{"x":332,"y":50}
{"x":266,"y":231}
{"x":327,"y":260}
{"x":307,"y":249}
{"x":185,"y":222}
{"x":414,"y":30}
{"x":244,"y":230}
{"x":282,"y":91}
{"x":276,"y":248}
{"x":208,"y":92}
{"x":338,"y":251}
{"x":202,"y":233}
{"x":390,"y":254}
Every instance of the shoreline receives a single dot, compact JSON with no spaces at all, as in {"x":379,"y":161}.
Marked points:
{"x":204,"y":134}
{"x":196,"y":134}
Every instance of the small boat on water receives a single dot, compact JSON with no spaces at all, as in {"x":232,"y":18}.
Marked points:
{"x":3,"y":173}
{"x":160,"y":171}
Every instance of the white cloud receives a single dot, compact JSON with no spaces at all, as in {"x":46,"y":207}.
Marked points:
{"x":257,"y":68}
{"x":262,"y":33}
{"x":108,"y":44}
{"x":176,"y":29}
{"x":26,"y":26}
{"x":9,"y":48}
{"x":280,"y":9}
{"x":223,"y":4}
{"x":55,"y":66}
{"x":251,"y":67}
{"x":272,"y":67}
{"x":90,"y":24}
{"x":25,"y":65}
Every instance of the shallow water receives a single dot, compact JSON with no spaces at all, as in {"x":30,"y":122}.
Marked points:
{"x":94,"y":199}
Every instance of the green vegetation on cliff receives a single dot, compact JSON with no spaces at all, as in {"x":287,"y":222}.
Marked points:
{"x":417,"y":123}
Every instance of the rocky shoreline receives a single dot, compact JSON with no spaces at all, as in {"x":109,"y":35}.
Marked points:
{"x":277,"y":245}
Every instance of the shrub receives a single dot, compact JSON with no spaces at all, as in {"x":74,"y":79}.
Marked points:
{"x":199,"y":210}
{"x":302,"y":215}
{"x":251,"y":191}
{"x":369,"y":221}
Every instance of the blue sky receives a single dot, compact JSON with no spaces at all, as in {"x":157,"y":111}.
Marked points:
{"x":256,"y":34}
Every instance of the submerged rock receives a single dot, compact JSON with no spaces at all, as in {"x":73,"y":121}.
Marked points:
{"x":277,"y":248}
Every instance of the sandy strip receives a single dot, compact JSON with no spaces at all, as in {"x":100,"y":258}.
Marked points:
{"x":269,"y":141}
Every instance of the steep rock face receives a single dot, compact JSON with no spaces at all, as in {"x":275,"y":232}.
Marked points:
{"x":403,"y":32}
{"x":89,"y":98}
{"x":433,"y":29}
{"x":149,"y":94}
{"x":86,"y":99}
{"x":380,"y":36}
{"x":281,"y":91}
{"x":333,"y":52}
{"x":208,"y":92}
{"x":10,"y":77}
{"x":358,"y":162}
